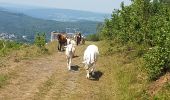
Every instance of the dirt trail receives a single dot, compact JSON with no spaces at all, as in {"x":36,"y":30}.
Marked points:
{"x":47,"y":78}
{"x":155,"y":86}
{"x":29,"y":74}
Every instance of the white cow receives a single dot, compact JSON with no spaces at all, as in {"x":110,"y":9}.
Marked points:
{"x":73,"y":42}
{"x":90,"y":57}
{"x":69,"y":54}
{"x":70,"y":41}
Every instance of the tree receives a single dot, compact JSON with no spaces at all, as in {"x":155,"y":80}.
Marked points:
{"x":40,"y":40}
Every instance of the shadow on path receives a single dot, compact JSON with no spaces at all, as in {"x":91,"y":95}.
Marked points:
{"x":97,"y":75}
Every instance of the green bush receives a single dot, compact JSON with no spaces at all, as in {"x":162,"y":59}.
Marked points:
{"x":157,"y":61}
{"x":40,"y":41}
{"x":145,"y":23}
{"x":92,"y":37}
{"x":7,"y":46}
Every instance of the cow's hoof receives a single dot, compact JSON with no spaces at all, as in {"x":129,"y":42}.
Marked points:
{"x":93,"y":73}
{"x":87,"y":77}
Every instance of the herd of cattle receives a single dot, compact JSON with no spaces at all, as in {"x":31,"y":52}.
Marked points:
{"x":90,"y":54}
{"x":63,"y":39}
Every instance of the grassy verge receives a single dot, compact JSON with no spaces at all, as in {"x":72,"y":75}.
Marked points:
{"x":125,"y":78}
{"x":22,"y":52}
{"x":26,"y":51}
{"x":163,"y":93}
{"x":126,"y":75}
{"x":3,"y":80}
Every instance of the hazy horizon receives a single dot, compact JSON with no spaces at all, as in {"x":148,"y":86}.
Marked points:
{"x":103,"y":6}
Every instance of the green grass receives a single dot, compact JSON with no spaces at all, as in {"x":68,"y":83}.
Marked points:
{"x":52,"y":47}
{"x":126,"y":79}
{"x":126,"y":76}
{"x":3,"y":80}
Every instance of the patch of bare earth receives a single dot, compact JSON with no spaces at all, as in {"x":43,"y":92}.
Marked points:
{"x":26,"y":76}
{"x":155,"y":86}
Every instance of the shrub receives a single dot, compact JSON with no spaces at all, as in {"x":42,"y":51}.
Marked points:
{"x":92,"y":37}
{"x":145,"y":23}
{"x":40,"y":41}
{"x":156,"y":61}
{"x":7,"y":46}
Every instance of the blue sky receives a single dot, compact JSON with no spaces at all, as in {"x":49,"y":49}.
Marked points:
{"x":103,"y":6}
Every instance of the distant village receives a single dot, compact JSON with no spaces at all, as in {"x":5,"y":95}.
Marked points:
{"x":12,"y":36}
{"x":7,"y":36}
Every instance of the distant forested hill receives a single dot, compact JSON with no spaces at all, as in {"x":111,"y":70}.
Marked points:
{"x":21,"y":24}
{"x":62,"y":15}
{"x":65,"y":15}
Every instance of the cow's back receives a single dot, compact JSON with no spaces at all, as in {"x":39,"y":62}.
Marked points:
{"x":91,"y":53}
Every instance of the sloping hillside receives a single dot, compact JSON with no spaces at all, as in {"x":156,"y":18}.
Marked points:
{"x":64,"y":15}
{"x":21,"y":24}
{"x":118,"y":76}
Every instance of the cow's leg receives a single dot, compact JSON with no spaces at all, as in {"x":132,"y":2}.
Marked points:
{"x":59,"y":46}
{"x":68,"y":63}
{"x":80,"y":41}
{"x":93,"y":69}
{"x":62,"y":47}
{"x":69,"y":67}
{"x":77,"y":42}
{"x":88,"y":74}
